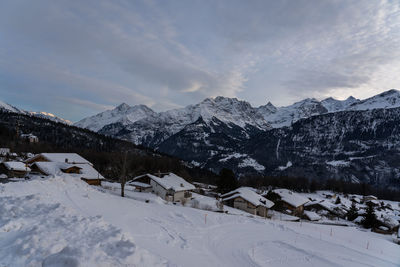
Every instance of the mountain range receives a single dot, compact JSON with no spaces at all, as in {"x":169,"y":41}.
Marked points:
{"x":354,"y":140}
{"x":41,"y":114}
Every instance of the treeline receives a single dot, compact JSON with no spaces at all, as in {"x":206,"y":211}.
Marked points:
{"x":303,"y":184}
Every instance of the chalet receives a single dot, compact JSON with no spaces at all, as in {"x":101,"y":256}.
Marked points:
{"x":246,"y":199}
{"x":71,"y":158}
{"x":287,"y":201}
{"x":30,"y":138}
{"x":65,"y":163}
{"x":168,"y":186}
{"x":14,"y":169}
{"x":206,"y":189}
{"x":326,"y":208}
{"x":369,"y":198}
{"x":4,"y":151}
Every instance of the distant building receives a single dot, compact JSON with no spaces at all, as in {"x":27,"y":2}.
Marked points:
{"x":246,"y":199}
{"x":14,"y":169}
{"x":369,"y":198}
{"x":69,"y":163}
{"x":30,"y":137}
{"x":168,"y":186}
{"x":4,"y":151}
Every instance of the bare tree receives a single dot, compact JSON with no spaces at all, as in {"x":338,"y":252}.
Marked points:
{"x":122,"y":179}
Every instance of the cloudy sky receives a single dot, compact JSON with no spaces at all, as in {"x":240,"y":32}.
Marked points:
{"x":77,"y":58}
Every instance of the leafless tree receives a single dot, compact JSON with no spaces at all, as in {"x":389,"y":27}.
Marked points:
{"x":122,"y":179}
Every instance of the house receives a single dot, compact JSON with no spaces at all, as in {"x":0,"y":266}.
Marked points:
{"x":287,"y":201}
{"x":71,"y":158}
{"x":14,"y":169}
{"x":65,"y":163}
{"x":168,"y":186}
{"x":206,"y":189}
{"x":246,"y":199}
{"x":369,"y":198}
{"x":4,"y":151}
{"x":30,"y":137}
{"x":327,"y":208}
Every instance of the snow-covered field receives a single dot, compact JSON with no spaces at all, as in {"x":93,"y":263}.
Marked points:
{"x":64,"y":222}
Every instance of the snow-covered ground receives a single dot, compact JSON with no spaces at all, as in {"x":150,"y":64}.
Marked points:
{"x":64,"y":222}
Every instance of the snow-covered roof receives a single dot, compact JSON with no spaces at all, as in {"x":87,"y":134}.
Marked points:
{"x":54,"y":168}
{"x":170,"y":181}
{"x":370,"y":197}
{"x":312,"y":216}
{"x":139,"y":184}
{"x":249,"y":195}
{"x":16,"y":166}
{"x":49,"y":168}
{"x":291,"y":198}
{"x":88,"y":172}
{"x":72,"y":158}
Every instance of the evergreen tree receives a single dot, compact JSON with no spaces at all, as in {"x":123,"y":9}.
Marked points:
{"x":369,"y":219}
{"x":226,"y":181}
{"x":352,"y":214}
{"x":337,"y":200}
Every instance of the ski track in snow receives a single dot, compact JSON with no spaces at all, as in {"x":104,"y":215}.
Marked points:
{"x":64,"y":220}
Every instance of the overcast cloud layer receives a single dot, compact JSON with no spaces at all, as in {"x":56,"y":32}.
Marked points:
{"x":77,"y":58}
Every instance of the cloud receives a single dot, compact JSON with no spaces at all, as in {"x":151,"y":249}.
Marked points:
{"x":169,"y":54}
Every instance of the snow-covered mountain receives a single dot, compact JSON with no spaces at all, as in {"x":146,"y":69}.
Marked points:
{"x":153,"y":128}
{"x":124,"y":114}
{"x":50,"y":116}
{"x":10,"y":108}
{"x":284,"y":116}
{"x":333,"y":105}
{"x":41,"y":114}
{"x":388,"y":99}
{"x":143,"y":126}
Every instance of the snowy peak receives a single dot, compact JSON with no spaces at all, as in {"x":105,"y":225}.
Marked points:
{"x":230,"y":110}
{"x":334,"y":105}
{"x":123,"y":113}
{"x":388,"y":99}
{"x":267,"y":109}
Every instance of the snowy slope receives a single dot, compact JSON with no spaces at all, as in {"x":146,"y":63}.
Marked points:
{"x":388,"y":99}
{"x":284,"y":116}
{"x":40,"y":114}
{"x":8,"y":107}
{"x":50,"y":116}
{"x":62,"y":219}
{"x":122,"y":113}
